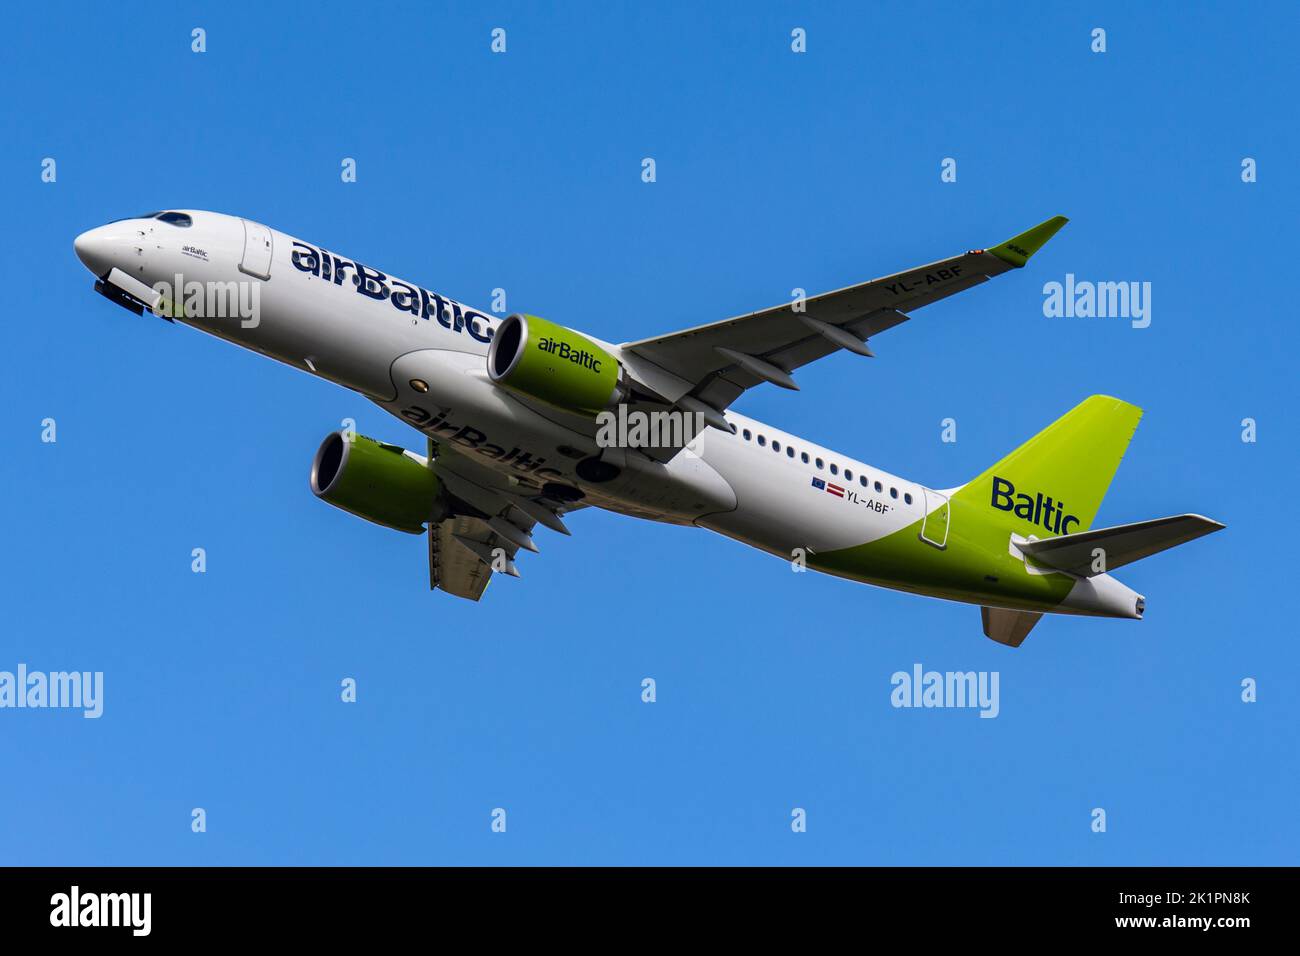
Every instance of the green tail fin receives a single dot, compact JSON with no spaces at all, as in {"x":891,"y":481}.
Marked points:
{"x":1053,"y":484}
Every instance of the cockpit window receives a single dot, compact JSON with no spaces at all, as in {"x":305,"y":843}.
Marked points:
{"x":175,"y":218}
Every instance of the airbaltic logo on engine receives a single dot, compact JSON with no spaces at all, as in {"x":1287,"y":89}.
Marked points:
{"x":402,"y":296}
{"x":1043,"y":512}
{"x":567,"y":353}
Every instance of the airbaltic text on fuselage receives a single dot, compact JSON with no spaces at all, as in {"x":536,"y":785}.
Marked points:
{"x":1042,"y":511}
{"x":470,"y":439}
{"x":567,"y":353}
{"x":400,"y":295}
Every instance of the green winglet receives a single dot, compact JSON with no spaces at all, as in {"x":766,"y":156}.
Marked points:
{"x":1016,"y":251}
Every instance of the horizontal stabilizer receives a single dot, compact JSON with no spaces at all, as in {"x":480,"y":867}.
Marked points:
{"x":1089,"y":553}
{"x":1008,"y":627}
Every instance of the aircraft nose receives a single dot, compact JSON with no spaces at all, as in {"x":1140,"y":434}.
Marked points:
{"x":95,"y":249}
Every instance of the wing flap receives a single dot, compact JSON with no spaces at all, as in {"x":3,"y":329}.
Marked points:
{"x":454,"y":567}
{"x":491,"y":518}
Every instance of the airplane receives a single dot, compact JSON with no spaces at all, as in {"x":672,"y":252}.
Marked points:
{"x":527,"y":421}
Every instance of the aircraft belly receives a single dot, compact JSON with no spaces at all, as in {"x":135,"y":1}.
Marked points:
{"x":464,"y":411}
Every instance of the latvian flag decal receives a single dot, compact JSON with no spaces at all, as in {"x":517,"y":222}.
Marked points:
{"x":835,"y":490}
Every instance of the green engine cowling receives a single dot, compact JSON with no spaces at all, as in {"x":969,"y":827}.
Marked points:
{"x":375,"y":481}
{"x":553,"y":364}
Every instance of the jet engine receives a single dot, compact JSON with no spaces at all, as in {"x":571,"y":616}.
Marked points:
{"x":553,"y":364}
{"x":376,"y":481}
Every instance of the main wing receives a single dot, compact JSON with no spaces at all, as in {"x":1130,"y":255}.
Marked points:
{"x":714,"y":363}
{"x":490,"y":523}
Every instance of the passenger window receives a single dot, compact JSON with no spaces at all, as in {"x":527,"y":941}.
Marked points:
{"x":893,"y":492}
{"x":862,"y":480}
{"x":803,"y":456}
{"x":762,"y":441}
{"x":747,"y":434}
{"x":776,"y":445}
{"x":908,"y":498}
{"x":879,"y":488}
{"x":820,"y":463}
{"x":789,"y":452}
{"x":835,"y":469}
{"x":848,"y":475}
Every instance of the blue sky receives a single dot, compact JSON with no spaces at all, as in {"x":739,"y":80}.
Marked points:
{"x":775,"y":170}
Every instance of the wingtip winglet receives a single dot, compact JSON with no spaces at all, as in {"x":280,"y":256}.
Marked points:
{"x":1017,"y":250}
{"x":1212,"y":525}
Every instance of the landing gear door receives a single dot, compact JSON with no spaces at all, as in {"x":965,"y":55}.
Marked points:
{"x":934,"y":526}
{"x":257,"y":250}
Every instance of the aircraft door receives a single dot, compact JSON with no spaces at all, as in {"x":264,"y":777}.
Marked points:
{"x":257,"y":250}
{"x":934,"y":526}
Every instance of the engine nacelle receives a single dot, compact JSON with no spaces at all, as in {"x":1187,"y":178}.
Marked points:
{"x":375,"y":481}
{"x":553,"y":364}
